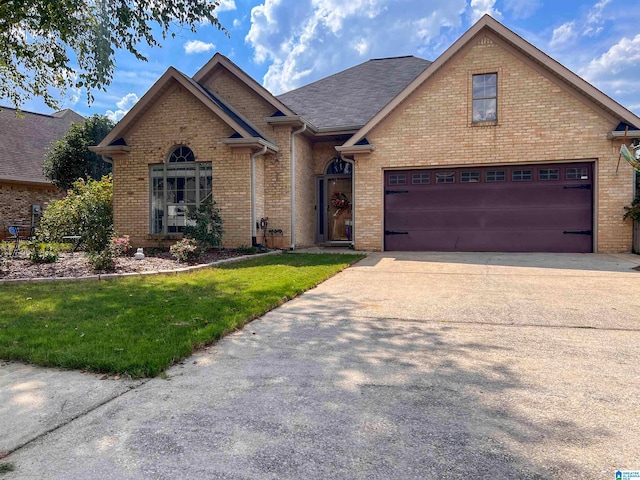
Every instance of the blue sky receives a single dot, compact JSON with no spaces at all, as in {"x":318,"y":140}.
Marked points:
{"x":284,"y":44}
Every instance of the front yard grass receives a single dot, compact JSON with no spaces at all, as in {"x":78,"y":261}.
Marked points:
{"x":139,"y":326}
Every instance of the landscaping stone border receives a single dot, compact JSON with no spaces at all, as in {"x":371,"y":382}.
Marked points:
{"x":111,"y":276}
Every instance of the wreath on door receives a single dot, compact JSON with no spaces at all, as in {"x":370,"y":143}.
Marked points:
{"x":339,"y":201}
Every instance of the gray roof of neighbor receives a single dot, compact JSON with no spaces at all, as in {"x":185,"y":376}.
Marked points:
{"x":24,"y":141}
{"x":352,"y":97}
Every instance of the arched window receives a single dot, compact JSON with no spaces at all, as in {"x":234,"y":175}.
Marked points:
{"x":176,"y":185}
{"x":338,"y":166}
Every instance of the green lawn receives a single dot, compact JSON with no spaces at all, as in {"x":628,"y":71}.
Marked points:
{"x":141,"y":325}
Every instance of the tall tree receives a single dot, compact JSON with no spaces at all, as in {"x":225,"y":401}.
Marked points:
{"x":39,"y":38}
{"x":70,"y":158}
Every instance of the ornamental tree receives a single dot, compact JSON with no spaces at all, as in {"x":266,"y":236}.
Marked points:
{"x":39,"y":40}
{"x":69,"y":158}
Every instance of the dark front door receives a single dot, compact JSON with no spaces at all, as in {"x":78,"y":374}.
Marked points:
{"x":527,"y":208}
{"x":334,"y":200}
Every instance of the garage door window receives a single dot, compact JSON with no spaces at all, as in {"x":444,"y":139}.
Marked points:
{"x":521,"y":175}
{"x":397,"y":179}
{"x":495,"y":176}
{"x":420,"y":178}
{"x":445,"y":177}
{"x":469,"y":177}
{"x":548,"y":174}
{"x":577,"y":174}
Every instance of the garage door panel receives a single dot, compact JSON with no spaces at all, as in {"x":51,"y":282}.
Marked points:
{"x":482,"y":196}
{"x":535,"y":215}
{"x":494,"y":241}
{"x":479,"y":219}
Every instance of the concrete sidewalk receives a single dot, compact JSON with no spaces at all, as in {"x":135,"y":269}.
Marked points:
{"x":404,"y":366}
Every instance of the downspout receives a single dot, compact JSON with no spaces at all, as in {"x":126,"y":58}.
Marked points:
{"x":262,"y":151}
{"x":293,"y":184}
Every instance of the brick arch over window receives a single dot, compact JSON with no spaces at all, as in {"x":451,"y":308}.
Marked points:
{"x":175,"y":185}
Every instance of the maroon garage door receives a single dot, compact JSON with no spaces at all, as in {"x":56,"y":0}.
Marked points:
{"x":530,"y":208}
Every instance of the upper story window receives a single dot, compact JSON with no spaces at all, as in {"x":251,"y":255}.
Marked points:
{"x":485,"y":97}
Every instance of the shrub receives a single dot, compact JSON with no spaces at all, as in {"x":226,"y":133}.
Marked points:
{"x":120,"y":245}
{"x":633,"y":211}
{"x":104,"y":260}
{"x":87,"y":211}
{"x":207,"y":229}
{"x":43,"y":252}
{"x":186,"y":250}
{"x":247,"y":250}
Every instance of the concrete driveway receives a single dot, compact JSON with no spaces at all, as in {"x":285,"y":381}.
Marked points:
{"x":405,"y":366}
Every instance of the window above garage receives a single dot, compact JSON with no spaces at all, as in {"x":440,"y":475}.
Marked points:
{"x":485,"y":98}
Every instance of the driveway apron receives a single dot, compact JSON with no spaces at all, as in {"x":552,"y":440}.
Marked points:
{"x":404,"y":366}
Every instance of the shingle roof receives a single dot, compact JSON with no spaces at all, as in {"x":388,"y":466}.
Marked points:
{"x":24,"y":140}
{"x":352,"y":97}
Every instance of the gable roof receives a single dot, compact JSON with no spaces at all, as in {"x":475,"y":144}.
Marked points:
{"x":242,"y":127}
{"x":487,"y":22}
{"x":352,"y":97}
{"x":25,"y":139}
{"x":220,"y":60}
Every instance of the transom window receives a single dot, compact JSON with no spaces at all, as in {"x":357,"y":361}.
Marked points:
{"x":485,"y":97}
{"x":577,"y":173}
{"x":176,"y":185}
{"x":495,"y":176}
{"x":420,"y":178}
{"x":339,"y":166}
{"x":398,"y":179}
{"x":445,"y":177}
{"x":469,"y":177}
{"x":521,"y":175}
{"x":548,"y":174}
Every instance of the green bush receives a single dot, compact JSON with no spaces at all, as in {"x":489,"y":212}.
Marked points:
{"x":186,"y":250}
{"x":633,"y":211}
{"x":87,"y":211}
{"x":208,"y":224}
{"x":43,"y":252}
{"x":104,"y":260}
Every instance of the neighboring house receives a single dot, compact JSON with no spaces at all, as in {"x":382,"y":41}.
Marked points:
{"x":24,"y":140}
{"x":492,"y":147}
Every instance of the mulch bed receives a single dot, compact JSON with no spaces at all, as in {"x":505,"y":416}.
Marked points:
{"x":76,"y":265}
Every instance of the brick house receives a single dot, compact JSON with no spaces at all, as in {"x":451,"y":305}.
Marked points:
{"x":494,"y":146}
{"x":24,"y":140}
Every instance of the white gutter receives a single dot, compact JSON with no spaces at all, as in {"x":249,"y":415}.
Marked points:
{"x":293,"y":184}
{"x":253,"y":193}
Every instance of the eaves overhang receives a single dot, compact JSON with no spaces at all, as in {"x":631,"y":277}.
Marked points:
{"x":110,"y":149}
{"x":618,"y":135}
{"x":252,"y":143}
{"x":356,"y":149}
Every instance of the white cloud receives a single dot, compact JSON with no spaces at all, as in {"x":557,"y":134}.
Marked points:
{"x":197,"y":46}
{"x":521,"y":8}
{"x":563,"y":34}
{"x":482,"y":7}
{"x":304,"y":40}
{"x":124,"y":105}
{"x":622,"y":61}
{"x":226,"y":6}
{"x":236,"y":22}
{"x":595,"y":19}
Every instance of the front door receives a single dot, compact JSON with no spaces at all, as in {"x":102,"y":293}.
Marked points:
{"x":335,"y":203}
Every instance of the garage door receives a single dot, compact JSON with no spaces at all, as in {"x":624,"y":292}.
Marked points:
{"x":531,"y":208}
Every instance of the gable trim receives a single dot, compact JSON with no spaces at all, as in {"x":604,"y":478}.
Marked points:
{"x":526,"y":48}
{"x":219,"y":59}
{"x":152,"y":95}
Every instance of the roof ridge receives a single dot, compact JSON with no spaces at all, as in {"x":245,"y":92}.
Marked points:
{"x":396,"y":56}
{"x":49,"y":115}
